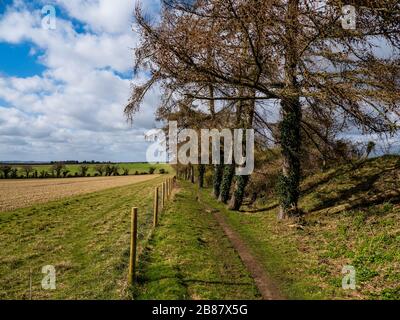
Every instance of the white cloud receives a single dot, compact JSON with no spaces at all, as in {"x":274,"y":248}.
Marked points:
{"x":75,"y":108}
{"x":101,"y":15}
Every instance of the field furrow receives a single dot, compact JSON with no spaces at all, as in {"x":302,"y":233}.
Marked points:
{"x":16,"y":194}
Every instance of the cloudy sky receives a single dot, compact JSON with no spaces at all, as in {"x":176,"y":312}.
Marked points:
{"x":63,"y":90}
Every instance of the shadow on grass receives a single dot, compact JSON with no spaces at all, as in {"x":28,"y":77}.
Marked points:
{"x":364,"y":184}
{"x":271,"y":207}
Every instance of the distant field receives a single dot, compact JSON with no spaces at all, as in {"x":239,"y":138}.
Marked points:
{"x":24,"y":193}
{"x":86,"y":238}
{"x":74,"y":168}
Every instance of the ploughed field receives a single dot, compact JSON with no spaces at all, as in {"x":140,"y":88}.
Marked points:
{"x":16,"y":194}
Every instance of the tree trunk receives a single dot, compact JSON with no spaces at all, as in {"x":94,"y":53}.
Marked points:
{"x":202,"y":170}
{"x":290,"y":138}
{"x":229,"y":171}
{"x":238,"y":195}
{"x":217,"y":178}
{"x":289,"y":184}
{"x":191,"y":174}
{"x":247,"y":108}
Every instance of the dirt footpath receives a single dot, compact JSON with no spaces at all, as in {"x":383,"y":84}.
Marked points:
{"x":265,"y":285}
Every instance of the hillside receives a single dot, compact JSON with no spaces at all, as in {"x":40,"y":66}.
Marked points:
{"x":353,"y":218}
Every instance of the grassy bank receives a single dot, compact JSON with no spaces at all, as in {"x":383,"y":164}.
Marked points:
{"x":86,"y":238}
{"x":353,"y":219}
{"x":189,"y":257}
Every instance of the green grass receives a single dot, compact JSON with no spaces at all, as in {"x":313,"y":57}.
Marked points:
{"x":353,"y":218}
{"x":86,"y":238}
{"x":189,"y":257}
{"x":74,"y":168}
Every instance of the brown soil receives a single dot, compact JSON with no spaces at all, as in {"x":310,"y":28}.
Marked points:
{"x":264,"y":284}
{"x":16,"y":194}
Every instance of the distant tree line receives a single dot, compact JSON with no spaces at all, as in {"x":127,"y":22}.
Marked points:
{"x":61,"y":170}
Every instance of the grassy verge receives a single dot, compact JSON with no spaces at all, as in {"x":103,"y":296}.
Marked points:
{"x":353,"y":219}
{"x":86,"y":238}
{"x":189,"y":257}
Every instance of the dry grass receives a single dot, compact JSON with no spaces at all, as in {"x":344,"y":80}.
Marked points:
{"x":16,"y":194}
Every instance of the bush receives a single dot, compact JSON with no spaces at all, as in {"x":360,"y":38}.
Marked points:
{"x":43,"y":174}
{"x":14,"y":173}
{"x":100,"y":169}
{"x":83,"y":169}
{"x":161,"y":171}
{"x":5,"y":169}
{"x":152,"y":170}
{"x":57,"y":168}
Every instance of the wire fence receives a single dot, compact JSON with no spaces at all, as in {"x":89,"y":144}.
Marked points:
{"x":143,"y":222}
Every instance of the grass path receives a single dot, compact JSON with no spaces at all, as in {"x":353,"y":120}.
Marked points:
{"x":189,"y":257}
{"x":306,"y":258}
{"x":85,"y":237}
{"x":265,"y":285}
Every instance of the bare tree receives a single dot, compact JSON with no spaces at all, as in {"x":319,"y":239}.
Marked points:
{"x":83,"y":169}
{"x":291,"y":54}
{"x":100,"y":169}
{"x":28,"y":169}
{"x":57,"y":168}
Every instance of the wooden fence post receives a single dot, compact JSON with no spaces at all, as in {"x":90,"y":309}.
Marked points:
{"x":155,"y":222}
{"x":132,"y":256}
{"x":163,"y":195}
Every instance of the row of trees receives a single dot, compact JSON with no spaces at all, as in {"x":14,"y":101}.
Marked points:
{"x":243,"y":63}
{"x":60,"y":170}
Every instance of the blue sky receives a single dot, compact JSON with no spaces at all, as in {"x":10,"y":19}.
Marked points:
{"x":62,"y":91}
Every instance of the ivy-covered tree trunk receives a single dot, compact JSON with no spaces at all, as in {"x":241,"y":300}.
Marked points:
{"x":217,"y":178}
{"x":238,"y":194}
{"x":202,"y":169}
{"x":229,"y":171}
{"x":248,"y":108}
{"x":289,"y":181}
